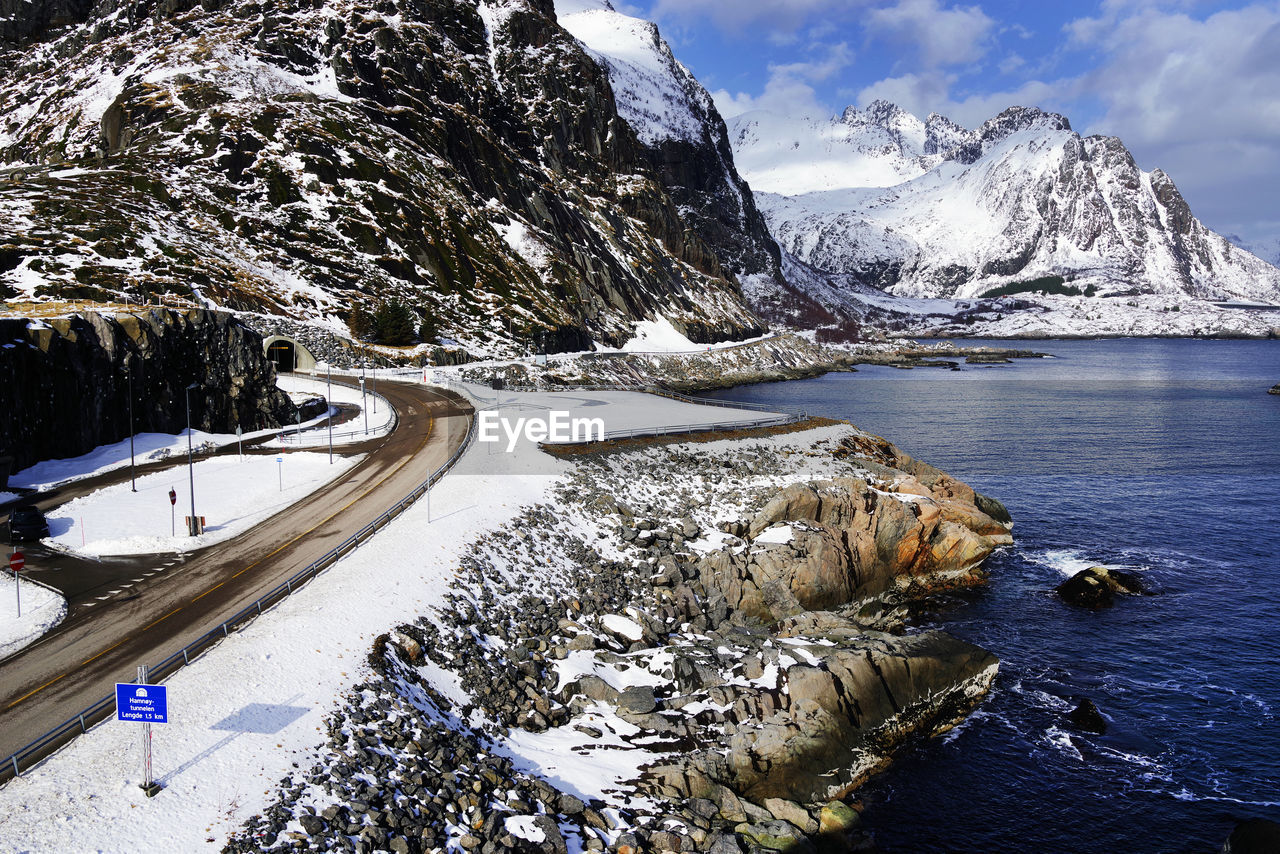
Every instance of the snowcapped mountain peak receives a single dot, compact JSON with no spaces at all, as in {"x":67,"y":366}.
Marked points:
{"x":571,"y":7}
{"x":942,"y":135}
{"x":931,"y":209}
{"x":1014,"y":119}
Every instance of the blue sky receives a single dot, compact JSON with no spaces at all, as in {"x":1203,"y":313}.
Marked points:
{"x":1191,"y":87}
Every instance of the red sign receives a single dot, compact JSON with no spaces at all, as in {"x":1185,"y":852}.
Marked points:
{"x":173,"y":497}
{"x":17,"y":561}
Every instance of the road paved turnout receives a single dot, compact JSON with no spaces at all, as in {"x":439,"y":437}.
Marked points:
{"x":172,"y":600}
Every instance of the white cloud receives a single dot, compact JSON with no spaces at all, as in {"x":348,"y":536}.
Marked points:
{"x":931,"y":92}
{"x":784,"y":16}
{"x":940,"y":36}
{"x":789,"y":90}
{"x":1198,"y":98}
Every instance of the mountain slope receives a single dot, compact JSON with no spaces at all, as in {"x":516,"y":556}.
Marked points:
{"x":929,"y":209}
{"x":685,"y":139}
{"x":303,"y":159}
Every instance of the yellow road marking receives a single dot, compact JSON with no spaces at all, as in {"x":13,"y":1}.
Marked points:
{"x":431,"y":423}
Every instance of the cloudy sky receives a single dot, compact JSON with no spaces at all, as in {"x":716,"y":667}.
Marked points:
{"x":1191,"y":87}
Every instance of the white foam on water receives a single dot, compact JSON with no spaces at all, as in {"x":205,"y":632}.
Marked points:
{"x":1070,"y":561}
{"x":1060,"y":740}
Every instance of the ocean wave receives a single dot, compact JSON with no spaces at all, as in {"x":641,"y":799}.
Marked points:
{"x":1060,"y":740}
{"x":1068,"y":562}
{"x":1038,"y":698}
{"x":1184,"y":794}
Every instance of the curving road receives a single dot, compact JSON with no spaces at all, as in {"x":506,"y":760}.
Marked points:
{"x":173,"y":601}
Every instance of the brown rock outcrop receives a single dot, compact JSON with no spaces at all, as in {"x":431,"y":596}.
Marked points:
{"x":850,"y":540}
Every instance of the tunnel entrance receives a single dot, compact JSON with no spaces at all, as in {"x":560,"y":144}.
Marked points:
{"x":282,"y":353}
{"x":288,"y":355}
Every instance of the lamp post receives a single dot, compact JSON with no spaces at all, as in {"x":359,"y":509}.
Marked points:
{"x":364,"y":406}
{"x":133,"y":479}
{"x":191,"y":528}
{"x":329,"y":405}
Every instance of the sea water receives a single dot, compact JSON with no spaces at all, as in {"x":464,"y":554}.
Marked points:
{"x":1158,"y":456}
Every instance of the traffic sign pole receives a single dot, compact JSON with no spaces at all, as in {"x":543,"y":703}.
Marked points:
{"x":144,"y":709}
{"x":173,"y":512}
{"x":280,"y":471}
{"x":146,"y":736}
{"x":17,"y":562}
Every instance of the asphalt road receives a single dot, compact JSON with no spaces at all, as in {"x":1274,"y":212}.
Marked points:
{"x":172,"y":602}
{"x":87,"y":582}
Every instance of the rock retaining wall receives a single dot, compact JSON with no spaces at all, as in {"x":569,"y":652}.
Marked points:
{"x":66,"y":385}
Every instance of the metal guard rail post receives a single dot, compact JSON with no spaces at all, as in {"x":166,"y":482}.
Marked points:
{"x":99,"y":711}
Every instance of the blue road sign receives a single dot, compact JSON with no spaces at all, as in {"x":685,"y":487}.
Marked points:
{"x":148,"y":704}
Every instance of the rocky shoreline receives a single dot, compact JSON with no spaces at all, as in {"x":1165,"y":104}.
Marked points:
{"x":714,"y":635}
{"x":773,"y":359}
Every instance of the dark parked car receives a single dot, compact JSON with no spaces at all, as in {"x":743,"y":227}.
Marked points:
{"x":26,"y":522}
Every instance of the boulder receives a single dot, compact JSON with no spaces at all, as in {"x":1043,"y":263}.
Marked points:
{"x":1086,"y":716}
{"x":1096,"y":587}
{"x":837,"y":819}
{"x":791,"y":812}
{"x":776,"y":836}
{"x":848,"y":706}
{"x":1275,"y":389}
{"x":637,"y":700}
{"x":313,"y":825}
{"x":1253,"y":836}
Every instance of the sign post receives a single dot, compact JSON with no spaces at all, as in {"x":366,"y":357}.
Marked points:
{"x":280,"y":471}
{"x":239,"y":443}
{"x":146,"y":704}
{"x":173,"y":517}
{"x":16,"y":563}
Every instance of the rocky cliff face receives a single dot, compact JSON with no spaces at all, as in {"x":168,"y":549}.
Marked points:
{"x":465,"y":158}
{"x":67,"y":382}
{"x":929,"y":209}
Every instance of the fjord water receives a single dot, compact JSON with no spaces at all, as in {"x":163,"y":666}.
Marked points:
{"x":1161,"y":456}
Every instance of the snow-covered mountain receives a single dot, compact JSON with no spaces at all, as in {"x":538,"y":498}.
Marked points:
{"x":929,"y":209}
{"x":467,"y":159}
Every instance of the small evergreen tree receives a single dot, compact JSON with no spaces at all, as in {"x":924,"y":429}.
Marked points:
{"x":394,"y":324}
{"x":360,"y":321}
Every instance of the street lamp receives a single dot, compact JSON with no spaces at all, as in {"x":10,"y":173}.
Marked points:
{"x":193,"y":526}
{"x":363,"y":404}
{"x":328,"y":406}
{"x":133,"y":479}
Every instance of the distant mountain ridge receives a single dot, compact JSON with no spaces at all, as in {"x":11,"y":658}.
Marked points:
{"x":931,"y":209}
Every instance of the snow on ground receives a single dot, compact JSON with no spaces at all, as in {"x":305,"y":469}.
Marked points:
{"x":381,"y":416}
{"x":243,"y":713}
{"x":620,"y":411}
{"x":42,"y":609}
{"x":148,"y":447}
{"x":658,"y":336}
{"x":153,"y":446}
{"x":233,"y":495}
{"x":249,"y":708}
